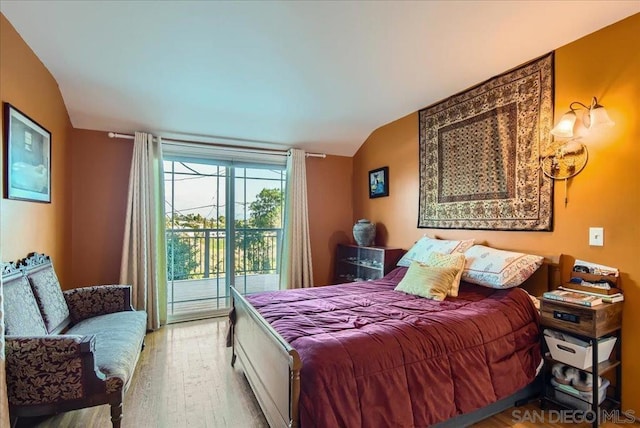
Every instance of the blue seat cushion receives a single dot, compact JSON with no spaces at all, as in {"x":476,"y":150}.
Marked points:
{"x":119,"y":338}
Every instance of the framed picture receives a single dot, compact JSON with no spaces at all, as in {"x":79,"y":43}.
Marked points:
{"x":379,"y":182}
{"x":27,"y":157}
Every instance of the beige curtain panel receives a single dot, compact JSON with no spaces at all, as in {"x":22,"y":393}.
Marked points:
{"x":144,"y":250}
{"x":296,"y":269}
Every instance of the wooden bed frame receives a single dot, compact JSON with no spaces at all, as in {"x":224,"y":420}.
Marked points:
{"x":272,"y":366}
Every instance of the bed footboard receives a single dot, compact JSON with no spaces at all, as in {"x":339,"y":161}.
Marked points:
{"x":270,"y":364}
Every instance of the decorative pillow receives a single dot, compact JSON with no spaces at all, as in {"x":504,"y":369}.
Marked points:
{"x":426,"y":281}
{"x":498,"y":268}
{"x":454,"y":260}
{"x":425,"y":246}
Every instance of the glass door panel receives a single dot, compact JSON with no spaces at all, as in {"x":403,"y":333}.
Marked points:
{"x":195,"y":196}
{"x":202,"y":262}
{"x":259,"y":203}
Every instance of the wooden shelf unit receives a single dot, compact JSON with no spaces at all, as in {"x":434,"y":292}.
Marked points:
{"x":355,"y":263}
{"x":589,"y":324}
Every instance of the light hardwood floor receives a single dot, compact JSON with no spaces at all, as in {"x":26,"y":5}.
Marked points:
{"x":184,"y":379}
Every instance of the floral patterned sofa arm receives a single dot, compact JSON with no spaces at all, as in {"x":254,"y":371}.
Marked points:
{"x":87,"y":302}
{"x":49,"y":369}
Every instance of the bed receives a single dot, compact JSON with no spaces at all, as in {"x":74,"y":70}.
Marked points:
{"x":361,"y":354}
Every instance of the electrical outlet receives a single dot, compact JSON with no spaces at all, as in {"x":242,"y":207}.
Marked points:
{"x":596,"y":236}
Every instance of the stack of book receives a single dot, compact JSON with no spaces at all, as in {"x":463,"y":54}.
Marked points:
{"x":605,"y":298}
{"x":573,"y":297}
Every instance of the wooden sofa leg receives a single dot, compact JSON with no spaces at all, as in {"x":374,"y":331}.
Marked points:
{"x":116,"y":414}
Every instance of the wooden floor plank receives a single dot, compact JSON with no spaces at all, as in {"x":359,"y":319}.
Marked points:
{"x":184,"y":379}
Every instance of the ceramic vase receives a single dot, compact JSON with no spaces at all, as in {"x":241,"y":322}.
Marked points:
{"x":364,"y":232}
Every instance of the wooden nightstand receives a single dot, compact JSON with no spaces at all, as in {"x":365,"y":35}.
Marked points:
{"x":589,"y":324}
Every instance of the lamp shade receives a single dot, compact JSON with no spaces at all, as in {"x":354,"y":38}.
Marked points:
{"x":564,"y":128}
{"x":599,"y":118}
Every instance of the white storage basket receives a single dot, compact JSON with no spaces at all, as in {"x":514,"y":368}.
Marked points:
{"x":576,"y":355}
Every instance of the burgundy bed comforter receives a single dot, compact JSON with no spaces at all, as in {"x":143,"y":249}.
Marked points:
{"x":376,"y":357}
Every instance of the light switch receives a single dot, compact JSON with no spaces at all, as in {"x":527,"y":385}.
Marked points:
{"x":596,"y":236}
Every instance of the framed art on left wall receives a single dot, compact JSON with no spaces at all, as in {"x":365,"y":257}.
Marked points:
{"x":27,"y":157}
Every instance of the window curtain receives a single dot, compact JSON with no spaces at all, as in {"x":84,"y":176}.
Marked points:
{"x":144,"y":263}
{"x":296,"y":268}
{"x":4,"y":409}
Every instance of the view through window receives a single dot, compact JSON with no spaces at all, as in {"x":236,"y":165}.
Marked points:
{"x":207,"y":252}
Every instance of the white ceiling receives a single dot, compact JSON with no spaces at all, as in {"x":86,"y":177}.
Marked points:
{"x":316,"y":75}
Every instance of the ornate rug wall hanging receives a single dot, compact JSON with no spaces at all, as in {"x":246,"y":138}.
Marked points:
{"x":480,"y":154}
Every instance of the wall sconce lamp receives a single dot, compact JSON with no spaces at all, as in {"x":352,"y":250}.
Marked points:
{"x":566,"y":158}
{"x":597,"y":117}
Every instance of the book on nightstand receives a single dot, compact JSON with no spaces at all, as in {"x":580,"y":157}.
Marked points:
{"x":573,"y":297}
{"x":610,"y":298}
{"x":610,"y":291}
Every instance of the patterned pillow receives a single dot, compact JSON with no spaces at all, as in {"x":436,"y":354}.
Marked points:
{"x":498,"y":268}
{"x":426,"y":281}
{"x":425,"y":246}
{"x":454,"y":260}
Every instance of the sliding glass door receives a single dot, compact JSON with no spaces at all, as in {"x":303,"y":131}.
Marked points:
{"x":224,"y":228}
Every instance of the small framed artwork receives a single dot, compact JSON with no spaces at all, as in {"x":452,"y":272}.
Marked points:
{"x":379,"y":182}
{"x":27,"y":157}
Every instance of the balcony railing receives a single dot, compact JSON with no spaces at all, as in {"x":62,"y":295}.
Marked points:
{"x":196,"y":260}
{"x":201,"y":253}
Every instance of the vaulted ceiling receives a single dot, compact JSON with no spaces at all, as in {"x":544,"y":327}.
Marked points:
{"x":316,"y":75}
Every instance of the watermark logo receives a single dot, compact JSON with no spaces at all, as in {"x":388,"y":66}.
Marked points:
{"x":572,"y":416}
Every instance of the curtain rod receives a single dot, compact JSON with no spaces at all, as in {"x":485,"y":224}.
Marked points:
{"x":226,"y":146}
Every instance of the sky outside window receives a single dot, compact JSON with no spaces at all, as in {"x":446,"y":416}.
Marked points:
{"x":201,"y":188}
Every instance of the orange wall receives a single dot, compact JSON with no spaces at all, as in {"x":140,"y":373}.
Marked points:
{"x":99,"y":203}
{"x":330,"y":210}
{"x":607,"y":193}
{"x":29,"y":226}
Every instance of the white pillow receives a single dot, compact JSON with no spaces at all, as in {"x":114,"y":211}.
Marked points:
{"x":498,"y":268}
{"x":422,"y":249}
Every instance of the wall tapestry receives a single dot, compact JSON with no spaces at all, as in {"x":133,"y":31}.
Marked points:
{"x":480,"y":154}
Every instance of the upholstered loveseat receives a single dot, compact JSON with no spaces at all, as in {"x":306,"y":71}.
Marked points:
{"x":66,"y":350}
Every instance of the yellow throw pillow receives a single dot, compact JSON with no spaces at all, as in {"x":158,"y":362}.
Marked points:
{"x":453,"y":260}
{"x":427,"y":281}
